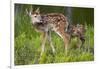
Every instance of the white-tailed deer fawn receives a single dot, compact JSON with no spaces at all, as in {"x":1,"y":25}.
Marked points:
{"x":77,"y":31}
{"x":45,"y":23}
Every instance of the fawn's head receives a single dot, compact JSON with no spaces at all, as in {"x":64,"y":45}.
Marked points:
{"x":74,"y":30}
{"x":77,"y":30}
{"x":34,"y":15}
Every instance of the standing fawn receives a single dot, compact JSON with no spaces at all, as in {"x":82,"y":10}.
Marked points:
{"x":77,"y":31}
{"x":46,"y":23}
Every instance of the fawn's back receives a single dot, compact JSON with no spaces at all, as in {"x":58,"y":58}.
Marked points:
{"x":55,"y":21}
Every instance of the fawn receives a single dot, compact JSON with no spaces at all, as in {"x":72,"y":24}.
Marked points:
{"x":46,"y":23}
{"x":77,"y":31}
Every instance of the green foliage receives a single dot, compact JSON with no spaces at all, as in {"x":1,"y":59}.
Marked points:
{"x":27,"y":43}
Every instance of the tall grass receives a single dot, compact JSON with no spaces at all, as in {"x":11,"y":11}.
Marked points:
{"x":27,"y":45}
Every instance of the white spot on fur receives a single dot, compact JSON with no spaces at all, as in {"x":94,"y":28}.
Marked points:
{"x":58,"y":23}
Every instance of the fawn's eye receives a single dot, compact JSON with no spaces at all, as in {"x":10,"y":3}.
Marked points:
{"x":36,"y":13}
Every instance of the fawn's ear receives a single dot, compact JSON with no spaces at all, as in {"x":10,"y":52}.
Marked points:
{"x":29,"y":12}
{"x":37,"y":10}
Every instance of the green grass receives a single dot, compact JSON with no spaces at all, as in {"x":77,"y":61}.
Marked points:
{"x":27,"y":45}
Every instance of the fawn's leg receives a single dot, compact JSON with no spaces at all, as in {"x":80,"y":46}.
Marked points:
{"x":83,"y":41}
{"x":79,"y":43}
{"x":49,"y":38}
{"x":66,"y":41}
{"x":44,"y":37}
{"x":65,"y":38}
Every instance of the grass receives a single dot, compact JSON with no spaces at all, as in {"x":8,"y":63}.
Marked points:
{"x":27,"y":45}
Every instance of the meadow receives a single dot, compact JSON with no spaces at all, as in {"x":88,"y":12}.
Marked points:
{"x":27,"y":45}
